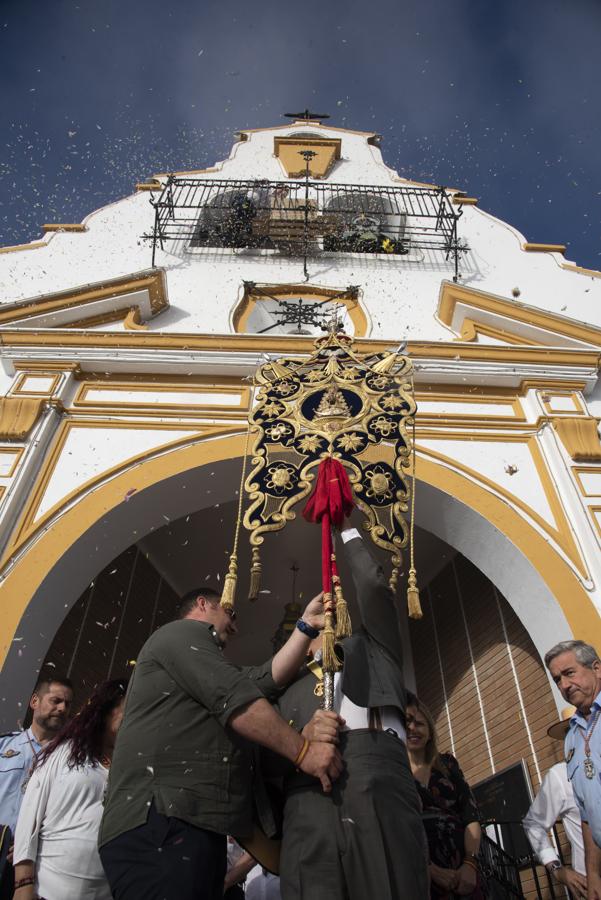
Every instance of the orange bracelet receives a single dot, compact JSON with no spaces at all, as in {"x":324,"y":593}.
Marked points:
{"x":302,"y":752}
{"x":472,"y":863}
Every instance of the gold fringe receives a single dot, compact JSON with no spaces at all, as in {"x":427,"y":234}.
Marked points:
{"x":278,"y":370}
{"x":344,"y":627}
{"x":228,"y":597}
{"x":329,"y":660}
{"x":414,"y":606}
{"x":386,"y":364}
{"x":255,"y":575}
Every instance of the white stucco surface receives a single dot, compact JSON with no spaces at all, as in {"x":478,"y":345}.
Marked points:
{"x":485,"y":441}
{"x":204,"y":285}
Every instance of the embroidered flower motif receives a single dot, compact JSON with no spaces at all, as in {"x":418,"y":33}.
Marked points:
{"x":350,"y":442}
{"x":383,"y":426}
{"x":309,"y":443}
{"x":280,"y":478}
{"x":278,"y":431}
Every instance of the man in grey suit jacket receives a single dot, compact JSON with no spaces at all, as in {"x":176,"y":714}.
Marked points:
{"x":365,"y":841}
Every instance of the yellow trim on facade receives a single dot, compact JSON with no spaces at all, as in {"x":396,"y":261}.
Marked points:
{"x":205,"y":407}
{"x":326,"y":151}
{"x":586,"y":470}
{"x":154,"y":283}
{"x":18,"y":453}
{"x":544,"y":248}
{"x":308,"y":124}
{"x":29,"y":523}
{"x":595,"y":512}
{"x":593,"y":273}
{"x":560,"y":578}
{"x":22,"y":378}
{"x":45,"y":367}
{"x":149,"y":186}
{"x":285,"y":344}
{"x":251,"y":297}
{"x":14,"y":248}
{"x":562,"y":534}
{"x":471,"y":328}
{"x":467,"y":396}
{"x":114,"y":315}
{"x":25,"y":575}
{"x":580,"y":437}
{"x":512,"y":310}
{"x":458,"y":200}
{"x":547,"y":396}
{"x":64,"y":226}
{"x":133,"y":320}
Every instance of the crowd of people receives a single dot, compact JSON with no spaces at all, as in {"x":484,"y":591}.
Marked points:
{"x":166,"y":787}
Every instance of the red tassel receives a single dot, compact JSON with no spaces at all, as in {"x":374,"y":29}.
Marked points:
{"x":330,"y":502}
{"x":332,"y":494}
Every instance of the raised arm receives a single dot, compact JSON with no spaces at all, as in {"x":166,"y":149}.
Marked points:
{"x":288,"y":660}
{"x":376,"y":600}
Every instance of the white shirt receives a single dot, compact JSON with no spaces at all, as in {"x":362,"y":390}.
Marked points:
{"x":262,"y":885}
{"x":58,"y":826}
{"x":554,"y":801}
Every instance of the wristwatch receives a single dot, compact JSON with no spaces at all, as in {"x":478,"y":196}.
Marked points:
{"x":553,"y":866}
{"x":307,"y":629}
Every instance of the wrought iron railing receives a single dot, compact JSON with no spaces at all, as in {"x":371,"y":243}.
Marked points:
{"x":306,"y":218}
{"x":506,"y":873}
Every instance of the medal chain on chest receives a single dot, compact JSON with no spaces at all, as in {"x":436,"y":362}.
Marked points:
{"x":589,"y":766}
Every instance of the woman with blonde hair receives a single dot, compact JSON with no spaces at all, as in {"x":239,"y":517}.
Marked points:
{"x":450,"y":813}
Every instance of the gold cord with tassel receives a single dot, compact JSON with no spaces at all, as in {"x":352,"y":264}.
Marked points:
{"x":255,"y":575}
{"x":344,"y":627}
{"x":329,"y":659}
{"x":228,"y":596}
{"x":414,"y":606}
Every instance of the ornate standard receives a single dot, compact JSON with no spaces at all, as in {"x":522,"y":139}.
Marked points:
{"x":340,"y":416}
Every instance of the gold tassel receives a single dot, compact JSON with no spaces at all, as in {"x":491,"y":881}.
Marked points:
{"x":228,"y":597}
{"x":415,"y":609}
{"x":394,"y":577}
{"x":278,"y":370}
{"x":329,"y":660}
{"x":255,"y":575}
{"x":386,"y":364}
{"x":344,"y":627}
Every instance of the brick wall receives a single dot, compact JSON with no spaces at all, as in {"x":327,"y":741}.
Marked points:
{"x":480,"y":675}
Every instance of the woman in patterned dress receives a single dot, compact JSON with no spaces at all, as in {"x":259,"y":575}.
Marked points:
{"x":450,"y":813}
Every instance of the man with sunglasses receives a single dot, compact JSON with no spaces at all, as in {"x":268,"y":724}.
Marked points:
{"x":182,"y":773}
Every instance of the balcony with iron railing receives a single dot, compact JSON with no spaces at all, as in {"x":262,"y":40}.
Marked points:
{"x":306,"y":218}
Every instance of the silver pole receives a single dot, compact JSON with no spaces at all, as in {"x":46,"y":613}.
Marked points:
{"x":328,"y":691}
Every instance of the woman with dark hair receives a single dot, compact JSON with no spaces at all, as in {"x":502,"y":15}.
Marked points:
{"x":449,"y":811}
{"x":56,"y":855}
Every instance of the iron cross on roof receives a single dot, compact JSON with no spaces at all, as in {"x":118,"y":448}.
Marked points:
{"x":307,"y":116}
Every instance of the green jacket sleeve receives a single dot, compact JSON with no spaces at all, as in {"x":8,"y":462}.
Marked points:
{"x":189,"y":653}
{"x":262,"y":677}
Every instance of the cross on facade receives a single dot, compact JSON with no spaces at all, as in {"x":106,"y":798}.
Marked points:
{"x":307,"y":116}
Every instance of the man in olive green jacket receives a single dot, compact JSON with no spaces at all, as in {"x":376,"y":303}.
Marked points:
{"x":182,"y":776}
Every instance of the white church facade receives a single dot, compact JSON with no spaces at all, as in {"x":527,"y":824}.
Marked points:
{"x":128,"y":345}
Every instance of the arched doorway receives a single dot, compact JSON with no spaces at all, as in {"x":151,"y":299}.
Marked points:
{"x":48,"y":575}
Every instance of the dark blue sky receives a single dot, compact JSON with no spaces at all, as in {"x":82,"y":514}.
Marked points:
{"x":498,"y":97}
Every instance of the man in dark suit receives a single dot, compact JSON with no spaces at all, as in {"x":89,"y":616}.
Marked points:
{"x":365,"y":841}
